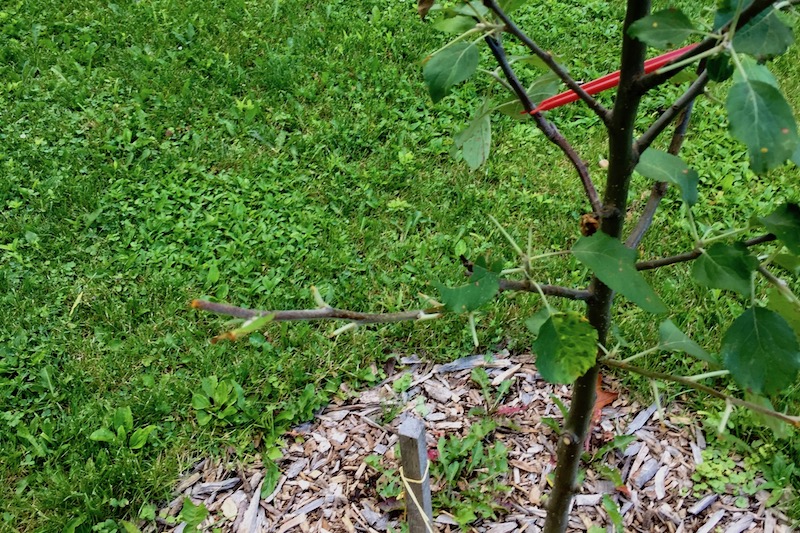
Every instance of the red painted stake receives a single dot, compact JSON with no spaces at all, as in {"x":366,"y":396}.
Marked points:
{"x":608,"y":81}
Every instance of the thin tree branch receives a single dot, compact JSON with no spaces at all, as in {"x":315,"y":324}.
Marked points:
{"x":654,"y":79}
{"x":659,"y":189}
{"x":548,"y":60}
{"x":548,"y":128}
{"x":548,"y":290}
{"x":646,"y":139}
{"x":793,"y":420}
{"x":694,"y":254}
{"x":321,"y":313}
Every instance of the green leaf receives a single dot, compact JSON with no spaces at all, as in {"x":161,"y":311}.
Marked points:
{"x":673,"y":339}
{"x":130,"y":527}
{"x":458,"y":24}
{"x":780,"y":429}
{"x":209,"y":385}
{"x":192,"y":514}
{"x":613,"y":513}
{"x":203,"y":417}
{"x":754,"y":71}
{"x":485,"y":284}
{"x":139,"y":437}
{"x":476,"y":140}
{"x":200,"y":401}
{"x":565,"y":348}
{"x":727,"y":9}
{"x":272,"y":475}
{"x":724,"y":266}
{"x":123,"y":418}
{"x":535,"y":322}
{"x":790,"y":262}
{"x":213,"y":274}
{"x":784,"y":222}
{"x":471,"y":9}
{"x":663,"y":29}
{"x":103,"y":435}
{"x":761,"y":351}
{"x":760,"y":117}
{"x":661,"y":166}
{"x":222,"y":394}
{"x":789,"y":310}
{"x":615,"y":265}
{"x":763,"y":37}
{"x":544,"y":87}
{"x":73,"y":524}
{"x":448,"y":67}
{"x":719,"y":67}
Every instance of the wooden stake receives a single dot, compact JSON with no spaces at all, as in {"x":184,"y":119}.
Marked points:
{"x":414,"y":458}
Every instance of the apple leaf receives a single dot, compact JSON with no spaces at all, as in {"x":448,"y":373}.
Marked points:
{"x":789,"y":310}
{"x":458,"y":24}
{"x":761,"y":351}
{"x":449,"y":67}
{"x":615,"y":265}
{"x":661,"y":166}
{"x":484,"y":285}
{"x":565,"y":348}
{"x":789,"y":262}
{"x":719,"y":67}
{"x":760,"y":118}
{"x":671,"y":338}
{"x":763,"y":37}
{"x":784,"y":222}
{"x":476,"y":141}
{"x":663,"y":29}
{"x":724,"y":266}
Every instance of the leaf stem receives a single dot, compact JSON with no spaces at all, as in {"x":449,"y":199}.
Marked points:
{"x":714,"y":374}
{"x":793,"y":420}
{"x":721,"y":237}
{"x":634,"y":357}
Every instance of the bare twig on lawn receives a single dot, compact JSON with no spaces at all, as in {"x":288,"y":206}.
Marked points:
{"x":321,"y":313}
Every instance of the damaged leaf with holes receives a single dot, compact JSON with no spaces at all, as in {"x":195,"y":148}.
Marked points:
{"x":566,"y":347}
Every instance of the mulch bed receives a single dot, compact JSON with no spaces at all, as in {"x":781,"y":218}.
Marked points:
{"x":326,"y":485}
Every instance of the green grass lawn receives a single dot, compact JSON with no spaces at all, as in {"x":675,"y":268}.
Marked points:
{"x":155,"y":152}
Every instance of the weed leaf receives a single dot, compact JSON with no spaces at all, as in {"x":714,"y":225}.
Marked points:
{"x":467,"y":298}
{"x":661,"y":166}
{"x":784,"y":222}
{"x":103,"y":435}
{"x":449,"y":67}
{"x":763,"y":37}
{"x":671,"y":338}
{"x":271,"y":478}
{"x":565,"y":348}
{"x":123,"y":418}
{"x":192,"y":514}
{"x":139,"y":437}
{"x":724,"y":266}
{"x":663,"y":29}
{"x":614,"y":264}
{"x":760,"y":117}
{"x":761,"y":351}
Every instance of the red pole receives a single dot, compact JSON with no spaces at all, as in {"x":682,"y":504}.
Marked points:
{"x":608,"y":81}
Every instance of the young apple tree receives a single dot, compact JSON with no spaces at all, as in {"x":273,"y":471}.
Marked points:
{"x":759,"y":350}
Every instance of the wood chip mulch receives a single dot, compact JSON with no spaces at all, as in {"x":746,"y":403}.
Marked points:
{"x":326,"y":485}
